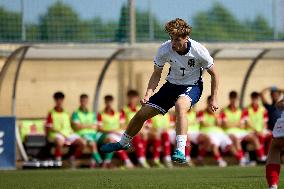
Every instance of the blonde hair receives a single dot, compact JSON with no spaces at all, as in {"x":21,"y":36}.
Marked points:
{"x":178,"y":28}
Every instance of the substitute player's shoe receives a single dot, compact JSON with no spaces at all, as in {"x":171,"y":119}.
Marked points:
{"x":168,"y":164}
{"x":178,"y":157}
{"x":144,"y":165}
{"x":243,"y":162}
{"x":273,"y":187}
{"x":129,"y":165}
{"x":157,"y":163}
{"x":189,"y":163}
{"x":222,"y":163}
{"x":262,"y":159}
{"x":111,"y":147}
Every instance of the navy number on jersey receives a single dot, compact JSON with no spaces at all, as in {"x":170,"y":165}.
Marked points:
{"x":183,"y":69}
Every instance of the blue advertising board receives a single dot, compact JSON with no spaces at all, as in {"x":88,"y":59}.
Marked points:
{"x":7,"y":142}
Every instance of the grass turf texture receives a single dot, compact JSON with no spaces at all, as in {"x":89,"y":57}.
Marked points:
{"x":193,"y":178}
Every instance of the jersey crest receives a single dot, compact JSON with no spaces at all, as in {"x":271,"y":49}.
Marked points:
{"x":191,"y":62}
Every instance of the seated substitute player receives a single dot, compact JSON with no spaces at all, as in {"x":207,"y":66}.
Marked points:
{"x":232,"y":121}
{"x":183,"y":88}
{"x":256,"y":117}
{"x":159,"y":127}
{"x":84,"y":122}
{"x":109,"y":125}
{"x":196,"y":137}
{"x":60,"y":132}
{"x":209,"y":124}
{"x":277,"y":145}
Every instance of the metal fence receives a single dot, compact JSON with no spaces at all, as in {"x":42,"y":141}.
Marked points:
{"x":44,"y":21}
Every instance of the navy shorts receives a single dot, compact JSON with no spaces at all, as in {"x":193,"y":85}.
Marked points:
{"x":166,"y":97}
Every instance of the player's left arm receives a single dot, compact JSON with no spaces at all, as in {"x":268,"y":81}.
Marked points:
{"x":207,"y":63}
{"x":214,"y":86}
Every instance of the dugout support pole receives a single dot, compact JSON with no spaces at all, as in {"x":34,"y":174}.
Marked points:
{"x":102,"y":76}
{"x":248,"y":74}
{"x":23,"y":50}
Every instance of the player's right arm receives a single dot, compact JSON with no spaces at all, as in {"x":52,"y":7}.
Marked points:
{"x":153,"y":83}
{"x":159,"y":63}
{"x":262,"y":95}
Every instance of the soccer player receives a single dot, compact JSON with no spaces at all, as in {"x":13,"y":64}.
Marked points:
{"x":183,"y":88}
{"x":109,"y":124}
{"x":256,"y":117}
{"x":277,"y":144}
{"x":232,"y":121}
{"x":84,"y":122}
{"x":60,"y":132}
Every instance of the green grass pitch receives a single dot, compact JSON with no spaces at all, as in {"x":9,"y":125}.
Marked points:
{"x":180,"y":178}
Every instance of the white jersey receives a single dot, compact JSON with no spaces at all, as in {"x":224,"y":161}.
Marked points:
{"x":185,"y":69}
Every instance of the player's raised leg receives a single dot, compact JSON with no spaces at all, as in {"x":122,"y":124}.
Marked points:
{"x":146,"y":112}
